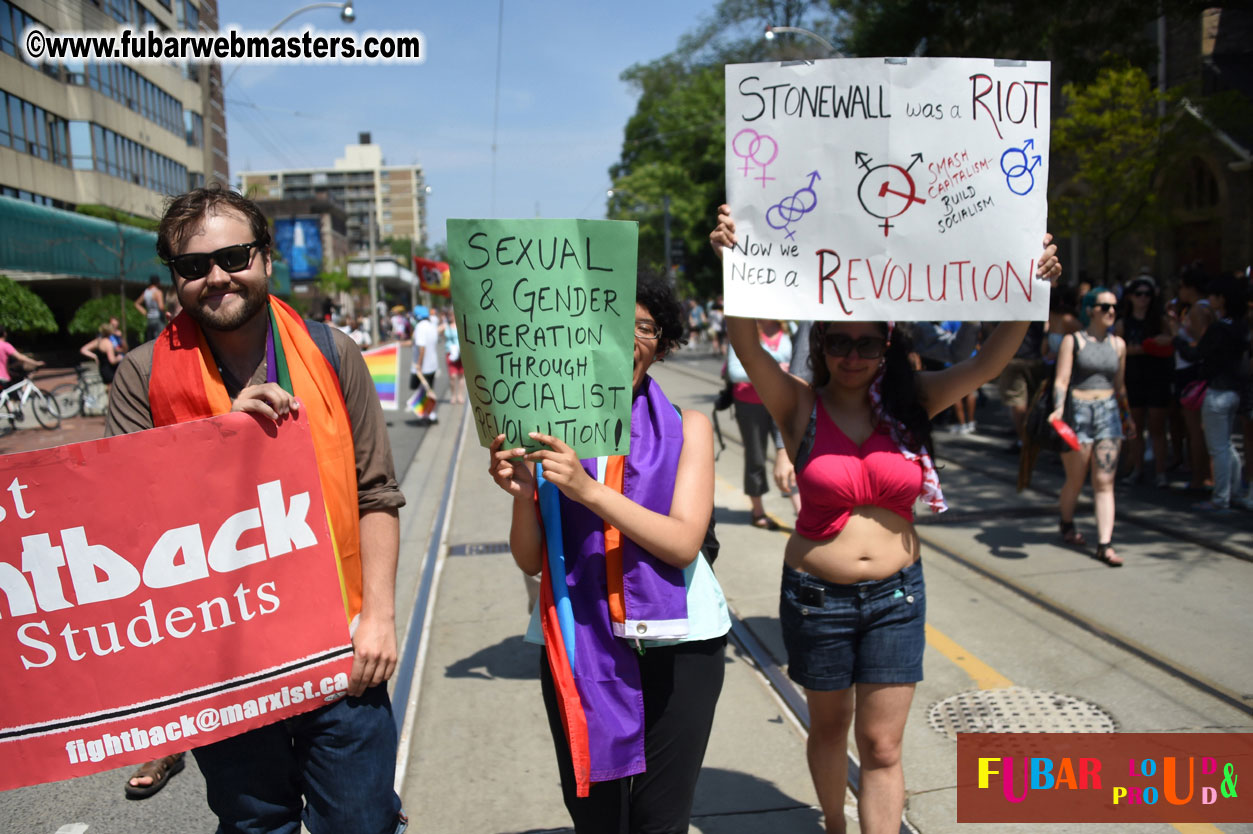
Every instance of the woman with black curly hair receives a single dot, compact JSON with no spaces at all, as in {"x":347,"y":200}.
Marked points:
{"x":625,"y":544}
{"x":853,"y":602}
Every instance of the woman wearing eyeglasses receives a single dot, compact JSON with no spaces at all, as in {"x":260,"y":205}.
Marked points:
{"x":853,"y":601}
{"x":630,"y":693}
{"x":1090,"y":387}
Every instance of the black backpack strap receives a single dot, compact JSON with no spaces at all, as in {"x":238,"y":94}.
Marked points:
{"x":320,"y":332}
{"x":806,"y":448}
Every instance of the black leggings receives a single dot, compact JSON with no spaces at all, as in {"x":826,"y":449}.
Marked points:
{"x":681,"y":687}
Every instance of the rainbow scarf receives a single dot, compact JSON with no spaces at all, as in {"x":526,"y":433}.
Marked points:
{"x":931,"y":492}
{"x":599,"y":587}
{"x":185,"y":385}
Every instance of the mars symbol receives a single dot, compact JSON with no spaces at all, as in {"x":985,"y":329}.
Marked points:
{"x":887,"y":191}
{"x":1018,"y":174}
{"x":790,"y":209}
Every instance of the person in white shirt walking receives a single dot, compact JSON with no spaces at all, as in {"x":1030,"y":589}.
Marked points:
{"x":425,"y":354}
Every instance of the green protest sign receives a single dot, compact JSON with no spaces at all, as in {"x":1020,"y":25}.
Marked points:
{"x":546,"y":317}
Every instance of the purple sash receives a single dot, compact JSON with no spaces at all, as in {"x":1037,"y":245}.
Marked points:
{"x":605,"y":667}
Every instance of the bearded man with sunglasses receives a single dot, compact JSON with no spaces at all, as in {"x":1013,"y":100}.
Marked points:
{"x":236,"y":348}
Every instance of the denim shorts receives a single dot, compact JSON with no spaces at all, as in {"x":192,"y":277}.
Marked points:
{"x":1095,"y":420}
{"x":867,"y":632}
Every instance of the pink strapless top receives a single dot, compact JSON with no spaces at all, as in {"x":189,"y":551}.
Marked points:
{"x":841,"y":475}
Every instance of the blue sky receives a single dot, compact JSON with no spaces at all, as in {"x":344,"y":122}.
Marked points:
{"x":562,"y":105}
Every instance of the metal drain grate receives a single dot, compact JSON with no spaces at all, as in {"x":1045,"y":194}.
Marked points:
{"x":1017,"y":710}
{"x":478,"y":549}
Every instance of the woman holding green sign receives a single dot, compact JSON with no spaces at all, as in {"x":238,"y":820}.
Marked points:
{"x":632,"y":620}
{"x":853,"y":603}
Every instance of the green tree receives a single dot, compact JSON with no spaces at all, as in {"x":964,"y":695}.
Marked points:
{"x":402,"y":246}
{"x":334,"y":280}
{"x":21,"y":311}
{"x":1115,"y":144}
{"x":118,"y":216}
{"x":673,"y":144}
{"x":1076,"y":35}
{"x":95,"y":312}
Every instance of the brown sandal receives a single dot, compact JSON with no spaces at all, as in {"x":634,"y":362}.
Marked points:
{"x":1071,"y":536}
{"x":159,"y":771}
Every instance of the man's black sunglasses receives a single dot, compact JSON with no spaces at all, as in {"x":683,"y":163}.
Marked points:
{"x":195,"y":265}
{"x":837,"y":345}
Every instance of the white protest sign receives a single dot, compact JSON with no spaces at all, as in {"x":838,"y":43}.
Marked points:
{"x":872,"y":189}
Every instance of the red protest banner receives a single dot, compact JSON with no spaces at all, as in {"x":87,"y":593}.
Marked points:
{"x":160,"y":591}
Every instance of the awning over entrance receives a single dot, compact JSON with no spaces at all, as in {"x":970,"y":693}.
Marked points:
{"x":39,"y":243}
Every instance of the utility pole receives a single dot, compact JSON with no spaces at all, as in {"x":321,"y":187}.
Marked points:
{"x":374,"y":284}
{"x":413,"y":270}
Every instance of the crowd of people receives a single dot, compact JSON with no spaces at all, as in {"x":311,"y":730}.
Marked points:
{"x":850,"y":409}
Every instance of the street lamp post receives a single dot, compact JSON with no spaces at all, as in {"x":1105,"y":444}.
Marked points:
{"x":796,"y":30}
{"x":346,"y":13}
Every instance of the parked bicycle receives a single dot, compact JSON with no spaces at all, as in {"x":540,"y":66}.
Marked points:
{"x":13,"y":402}
{"x":88,"y":396}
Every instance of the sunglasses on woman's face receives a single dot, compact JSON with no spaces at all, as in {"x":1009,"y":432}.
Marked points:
{"x":837,"y":346}
{"x":195,"y":265}
{"x":1105,"y":308}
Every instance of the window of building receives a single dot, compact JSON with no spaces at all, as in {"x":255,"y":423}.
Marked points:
{"x":194,"y":124}
{"x":1200,"y":187}
{"x":123,"y":84}
{"x":125,"y":159}
{"x":8,"y":38}
{"x":38,"y":199}
{"x":17,"y":127}
{"x":33,"y":130}
{"x":119,"y":10}
{"x":80,"y":146}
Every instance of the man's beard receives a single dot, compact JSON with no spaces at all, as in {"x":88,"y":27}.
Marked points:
{"x":254,"y":299}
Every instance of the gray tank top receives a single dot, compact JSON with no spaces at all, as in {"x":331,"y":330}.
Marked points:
{"x":152,"y":304}
{"x":1096,"y":363}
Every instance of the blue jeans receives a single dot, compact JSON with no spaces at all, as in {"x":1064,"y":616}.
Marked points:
{"x":867,"y":632}
{"x":341,"y":759}
{"x":1218,"y":420}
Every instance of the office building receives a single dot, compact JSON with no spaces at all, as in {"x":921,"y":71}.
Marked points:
{"x":363,"y":184}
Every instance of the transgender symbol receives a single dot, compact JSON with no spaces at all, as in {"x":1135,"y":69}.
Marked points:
{"x":887,"y":191}
{"x":754,"y":147}
{"x":1015,"y":168}
{"x":790,"y":209}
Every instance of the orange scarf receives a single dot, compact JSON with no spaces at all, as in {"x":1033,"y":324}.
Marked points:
{"x":185,"y":385}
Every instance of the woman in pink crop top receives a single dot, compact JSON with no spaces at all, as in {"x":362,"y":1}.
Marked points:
{"x":853,"y":602}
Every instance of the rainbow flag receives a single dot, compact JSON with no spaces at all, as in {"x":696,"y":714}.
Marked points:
{"x":383,"y":364}
{"x":422,"y":403}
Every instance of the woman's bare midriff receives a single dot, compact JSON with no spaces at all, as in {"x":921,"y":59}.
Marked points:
{"x":874,"y":544}
{"x":1089,"y":394}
